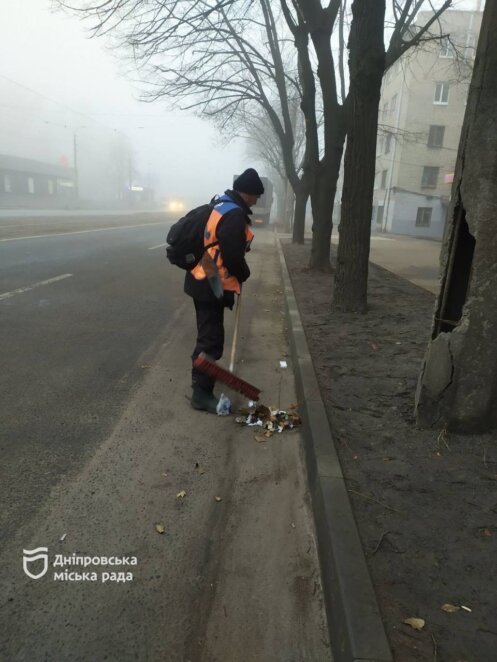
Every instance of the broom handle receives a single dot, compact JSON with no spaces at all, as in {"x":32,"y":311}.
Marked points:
{"x":235,"y":332}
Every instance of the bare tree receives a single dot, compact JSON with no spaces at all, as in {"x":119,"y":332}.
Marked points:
{"x":312,"y":25}
{"x":219,"y":58}
{"x":263,"y":144}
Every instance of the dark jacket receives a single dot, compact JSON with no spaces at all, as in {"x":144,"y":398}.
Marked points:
{"x":232,"y":244}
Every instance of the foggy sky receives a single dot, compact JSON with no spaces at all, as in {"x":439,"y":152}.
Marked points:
{"x":49,"y":52}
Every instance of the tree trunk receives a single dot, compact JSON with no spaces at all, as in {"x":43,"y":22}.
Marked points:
{"x":366,"y":64}
{"x":301,"y":197}
{"x":457,"y":387}
{"x":323,"y":191}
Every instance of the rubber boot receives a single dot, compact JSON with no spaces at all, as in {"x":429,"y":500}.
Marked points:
{"x":204,"y":399}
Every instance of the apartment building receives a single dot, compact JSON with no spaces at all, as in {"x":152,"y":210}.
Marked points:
{"x":422,"y":109}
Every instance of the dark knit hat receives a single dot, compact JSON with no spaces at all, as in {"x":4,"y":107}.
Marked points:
{"x":249,"y":182}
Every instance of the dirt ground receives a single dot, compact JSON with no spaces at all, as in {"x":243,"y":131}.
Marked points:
{"x":425,"y":501}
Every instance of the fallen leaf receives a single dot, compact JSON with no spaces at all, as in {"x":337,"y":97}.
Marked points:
{"x":450,"y":609}
{"x":181,"y":494}
{"x":415,"y":623}
{"x":165,"y":475}
{"x":218,"y":498}
{"x":160,"y":528}
{"x":374,"y":346}
{"x":487,"y":532}
{"x":260,"y":438}
{"x":145,"y":366}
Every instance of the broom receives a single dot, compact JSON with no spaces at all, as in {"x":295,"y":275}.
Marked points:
{"x":211,"y":368}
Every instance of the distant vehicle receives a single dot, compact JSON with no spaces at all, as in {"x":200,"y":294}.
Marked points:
{"x":262,"y":210}
{"x":175,"y":205}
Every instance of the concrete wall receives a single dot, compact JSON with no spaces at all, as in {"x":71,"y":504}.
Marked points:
{"x":404,"y":212}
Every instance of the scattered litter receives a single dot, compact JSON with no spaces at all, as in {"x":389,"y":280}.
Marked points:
{"x":272,"y":420}
{"x":398,"y":342}
{"x":466,"y":608}
{"x":165,"y":475}
{"x":283,"y":364}
{"x":160,"y":528}
{"x":293,"y":525}
{"x":260,"y":437}
{"x":223,"y":407}
{"x":181,"y":495}
{"x":450,"y":609}
{"x":146,"y":366}
{"x":62,"y":537}
{"x":415,"y":623}
{"x":218,"y":498}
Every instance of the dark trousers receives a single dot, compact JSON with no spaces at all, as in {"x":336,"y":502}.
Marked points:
{"x":210,"y":338}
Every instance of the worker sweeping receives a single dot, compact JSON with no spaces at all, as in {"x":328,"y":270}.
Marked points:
{"x":218,"y":276}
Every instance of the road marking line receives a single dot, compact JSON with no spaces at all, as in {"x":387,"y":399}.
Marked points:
{"x":20,"y":290}
{"x":60,"y":234}
{"x":152,"y":248}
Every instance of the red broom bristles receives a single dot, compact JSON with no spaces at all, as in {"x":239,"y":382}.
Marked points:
{"x":206,"y":366}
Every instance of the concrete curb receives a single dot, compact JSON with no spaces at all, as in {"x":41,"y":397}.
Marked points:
{"x":354,"y":620}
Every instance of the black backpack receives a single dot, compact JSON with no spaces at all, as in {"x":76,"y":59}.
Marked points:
{"x":186,"y":238}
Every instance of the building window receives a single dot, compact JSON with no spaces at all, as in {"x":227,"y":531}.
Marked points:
{"x":471,"y":45}
{"x":385,"y":111}
{"x":393,"y":104}
{"x":388,"y":143}
{"x":381,"y":144}
{"x":384,"y":179}
{"x":379,"y":215}
{"x":446,"y":49}
{"x":430,"y":177}
{"x":423,"y":217}
{"x":31,"y":185}
{"x":441,"y":93}
{"x":50,"y":187}
{"x":376,"y":177}
{"x":436,"y":136}
{"x":7,"y":184}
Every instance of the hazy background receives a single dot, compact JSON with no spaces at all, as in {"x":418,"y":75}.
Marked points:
{"x":56,"y":84}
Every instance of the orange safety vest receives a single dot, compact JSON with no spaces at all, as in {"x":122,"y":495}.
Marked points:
{"x":228,"y":281}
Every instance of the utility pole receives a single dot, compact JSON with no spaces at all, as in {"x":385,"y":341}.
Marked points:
{"x":75,"y":159}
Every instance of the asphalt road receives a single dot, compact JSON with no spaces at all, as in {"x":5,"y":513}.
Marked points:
{"x":70,"y":348}
{"x":98,"y":440}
